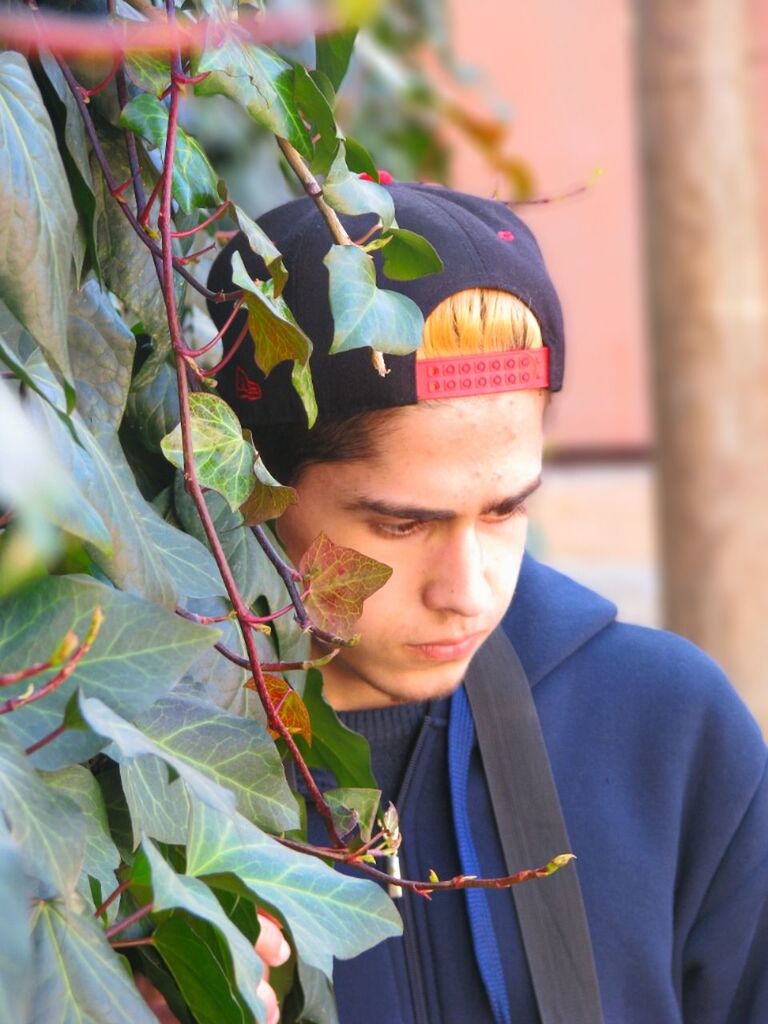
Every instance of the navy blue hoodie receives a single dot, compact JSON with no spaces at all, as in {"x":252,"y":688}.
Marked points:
{"x":661,"y":774}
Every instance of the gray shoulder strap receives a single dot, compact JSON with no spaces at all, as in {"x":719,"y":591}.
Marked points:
{"x":532,"y":830}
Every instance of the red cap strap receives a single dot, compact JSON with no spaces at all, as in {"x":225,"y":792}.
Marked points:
{"x":486,"y":374}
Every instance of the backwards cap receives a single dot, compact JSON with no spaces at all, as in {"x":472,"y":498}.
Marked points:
{"x":482,"y":245}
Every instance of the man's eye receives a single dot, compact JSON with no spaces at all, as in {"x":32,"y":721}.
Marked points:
{"x":503,"y":515}
{"x":404,"y":529}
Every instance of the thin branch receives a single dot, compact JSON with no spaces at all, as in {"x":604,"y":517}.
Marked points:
{"x":194,"y":353}
{"x":148,"y":940}
{"x":112,"y":897}
{"x":45,"y":740}
{"x":204,"y":224}
{"x":190,"y":476}
{"x":426,"y":888}
{"x":315,"y":192}
{"x":120,"y":926}
{"x":9,"y":678}
{"x":230,"y":354}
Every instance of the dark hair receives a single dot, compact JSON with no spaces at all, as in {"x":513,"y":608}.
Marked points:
{"x":287,"y":449}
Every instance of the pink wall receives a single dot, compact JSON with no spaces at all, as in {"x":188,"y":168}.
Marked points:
{"x":565,"y":71}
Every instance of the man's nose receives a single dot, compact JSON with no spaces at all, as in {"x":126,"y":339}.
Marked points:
{"x":457,"y":577}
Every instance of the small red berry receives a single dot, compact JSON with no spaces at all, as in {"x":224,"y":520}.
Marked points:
{"x":385,"y":178}
{"x":506,"y":236}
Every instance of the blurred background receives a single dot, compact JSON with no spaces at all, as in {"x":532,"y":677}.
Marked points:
{"x":633,"y":136}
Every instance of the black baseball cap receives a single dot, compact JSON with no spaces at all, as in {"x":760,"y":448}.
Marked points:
{"x":482,"y":244}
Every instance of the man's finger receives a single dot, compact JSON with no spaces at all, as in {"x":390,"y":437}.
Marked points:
{"x":271,"y":945}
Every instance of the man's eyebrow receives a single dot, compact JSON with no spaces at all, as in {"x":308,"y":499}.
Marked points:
{"x":419,"y":514}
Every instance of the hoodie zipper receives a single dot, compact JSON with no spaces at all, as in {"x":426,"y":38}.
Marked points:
{"x":412,"y":959}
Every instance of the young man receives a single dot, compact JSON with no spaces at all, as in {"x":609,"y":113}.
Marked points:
{"x":659,"y":770}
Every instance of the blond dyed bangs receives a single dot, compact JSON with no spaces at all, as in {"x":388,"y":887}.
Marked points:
{"x":479,"y":320}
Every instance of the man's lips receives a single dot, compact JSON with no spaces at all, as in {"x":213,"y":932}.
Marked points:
{"x":449,"y":648}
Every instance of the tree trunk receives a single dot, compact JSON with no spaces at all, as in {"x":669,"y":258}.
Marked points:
{"x":709,"y":319}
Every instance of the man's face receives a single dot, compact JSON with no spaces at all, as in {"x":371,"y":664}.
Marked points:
{"x":441,"y":501}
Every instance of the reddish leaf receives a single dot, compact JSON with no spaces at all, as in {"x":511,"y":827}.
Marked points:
{"x":268,"y":499}
{"x":290,"y":708}
{"x":340,"y":580}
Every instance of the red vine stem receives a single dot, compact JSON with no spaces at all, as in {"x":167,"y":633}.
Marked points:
{"x":242,"y":611}
{"x":231,"y":352}
{"x":120,"y":926}
{"x":112,"y":897}
{"x":194,"y":353}
{"x":277,"y":666}
{"x":45,"y":740}
{"x":63,"y":674}
{"x":25,"y":673}
{"x":204,"y":224}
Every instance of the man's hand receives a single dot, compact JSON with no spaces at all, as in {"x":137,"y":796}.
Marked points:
{"x":270,"y":946}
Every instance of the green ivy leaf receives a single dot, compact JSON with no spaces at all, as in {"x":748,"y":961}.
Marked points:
{"x":199,"y":961}
{"x":340,"y":580}
{"x":35,"y":483}
{"x":16,"y":964}
{"x":148,"y":72}
{"x":223,"y":457}
{"x":152,"y":411}
{"x":171,"y":891}
{"x":158,"y":808}
{"x":260,"y":82}
{"x":101,"y":351}
{"x":102,"y":857}
{"x":365,"y":315}
{"x":190,"y":564}
{"x":329,"y":914}
{"x":74,"y":152}
{"x":334,"y":745}
{"x":354,"y":809}
{"x":348,"y":193}
{"x":195,"y":183}
{"x":317,"y":113}
{"x":99,"y":468}
{"x":268,"y":499}
{"x":13,"y":340}
{"x":48,"y":828}
{"x":301,"y":378}
{"x":359,"y":160}
{"x":264,"y":247}
{"x":408,"y":255}
{"x":126,"y":263}
{"x":38,"y":220}
{"x":85,"y":980}
{"x":334,"y":51}
{"x":223,"y":759}
{"x":276,"y":335}
{"x":140,"y":652}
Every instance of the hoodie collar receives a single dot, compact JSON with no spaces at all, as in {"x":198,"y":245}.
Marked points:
{"x":551,"y":617}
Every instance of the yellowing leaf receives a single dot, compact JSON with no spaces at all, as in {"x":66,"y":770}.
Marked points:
{"x":276,"y":335}
{"x":290,"y":708}
{"x":268,"y":499}
{"x":340,"y":579}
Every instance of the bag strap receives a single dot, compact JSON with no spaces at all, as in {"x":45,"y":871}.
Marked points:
{"x":532,"y":831}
